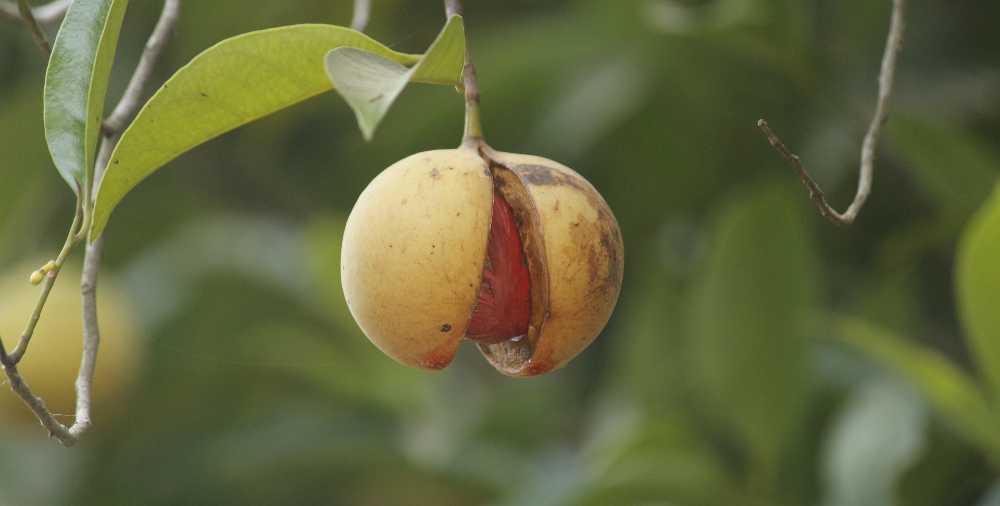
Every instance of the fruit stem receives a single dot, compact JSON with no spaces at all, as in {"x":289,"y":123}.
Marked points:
{"x":473,"y":125}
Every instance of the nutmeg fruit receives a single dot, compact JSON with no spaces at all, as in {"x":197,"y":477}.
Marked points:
{"x":516,"y":253}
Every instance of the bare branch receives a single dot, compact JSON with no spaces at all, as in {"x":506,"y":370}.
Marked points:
{"x":452,"y":8}
{"x":91,"y":336}
{"x":123,"y":112}
{"x":52,"y":12}
{"x":36,"y":31}
{"x":45,"y":14}
{"x":887,"y":73}
{"x":37,"y":405}
{"x":131,"y":99}
{"x":362,"y":12}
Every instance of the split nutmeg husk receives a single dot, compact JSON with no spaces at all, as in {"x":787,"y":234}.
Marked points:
{"x":517,"y":253}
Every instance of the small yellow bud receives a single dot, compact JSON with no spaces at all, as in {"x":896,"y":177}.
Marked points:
{"x":36,"y":277}
{"x":49,"y":267}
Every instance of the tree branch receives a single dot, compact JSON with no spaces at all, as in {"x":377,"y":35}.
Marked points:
{"x":44,"y":14}
{"x":91,"y":336}
{"x":362,"y":12}
{"x":35,"y":17}
{"x":37,"y":405}
{"x":887,"y":73}
{"x":131,"y":98}
{"x":36,"y":31}
{"x":123,"y":112}
{"x":452,"y":8}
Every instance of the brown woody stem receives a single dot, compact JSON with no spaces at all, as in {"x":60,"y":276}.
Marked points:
{"x":887,"y":73}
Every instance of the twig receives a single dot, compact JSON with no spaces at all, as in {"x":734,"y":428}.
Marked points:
{"x":362,"y":12}
{"x":36,"y":31}
{"x":131,"y":98}
{"x":123,"y":111}
{"x":91,"y":336}
{"x":52,"y":12}
{"x":37,"y":405}
{"x":452,"y":8}
{"x":887,"y":73}
{"x":44,"y":14}
{"x":50,"y":280}
{"x":473,"y":124}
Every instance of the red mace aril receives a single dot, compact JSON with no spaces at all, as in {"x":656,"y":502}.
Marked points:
{"x":504,"y":305}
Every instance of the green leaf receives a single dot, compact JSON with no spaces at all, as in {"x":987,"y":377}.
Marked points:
{"x":880,"y":433}
{"x":370,"y":83}
{"x":751,"y":321}
{"x":949,"y":391}
{"x":237,"y":81}
{"x":954,"y":168}
{"x":650,"y":460}
{"x":76,"y":83}
{"x":649,"y":366}
{"x":978,"y":284}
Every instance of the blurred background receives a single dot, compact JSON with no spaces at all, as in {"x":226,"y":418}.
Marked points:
{"x":739,"y":367}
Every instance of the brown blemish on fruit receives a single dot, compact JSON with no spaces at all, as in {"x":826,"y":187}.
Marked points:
{"x":612,"y":247}
{"x":611,"y":243}
{"x":547,"y":176}
{"x":538,"y":367}
{"x":601,"y":243}
{"x":594,"y":264}
{"x":542,"y":175}
{"x":538,"y":174}
{"x":435,"y":174}
{"x":446,"y":327}
{"x":439,"y":358}
{"x":435,"y":362}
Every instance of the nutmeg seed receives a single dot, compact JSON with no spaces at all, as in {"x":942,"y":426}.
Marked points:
{"x":516,"y":253}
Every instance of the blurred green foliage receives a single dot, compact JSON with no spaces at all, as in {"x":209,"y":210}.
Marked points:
{"x":758,"y":355}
